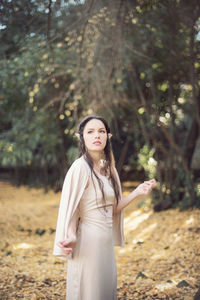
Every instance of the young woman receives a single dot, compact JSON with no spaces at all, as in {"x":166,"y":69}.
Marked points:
{"x":90,"y":219}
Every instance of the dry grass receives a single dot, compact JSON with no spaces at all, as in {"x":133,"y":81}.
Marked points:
{"x":161,"y":259}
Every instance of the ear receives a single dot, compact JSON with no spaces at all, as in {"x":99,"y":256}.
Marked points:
{"x":109,"y":135}
{"x":77,"y":135}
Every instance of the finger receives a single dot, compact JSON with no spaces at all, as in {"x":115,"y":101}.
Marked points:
{"x":152,"y":183}
{"x":60,"y":244}
{"x":66,"y":243}
{"x":63,"y":243}
{"x":147,"y":189}
{"x":147,"y":184}
{"x":67,"y":250}
{"x":153,"y":180}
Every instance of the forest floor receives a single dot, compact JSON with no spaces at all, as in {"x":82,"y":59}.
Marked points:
{"x":161,"y":258}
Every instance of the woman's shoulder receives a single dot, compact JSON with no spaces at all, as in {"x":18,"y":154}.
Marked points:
{"x":79,"y":164}
{"x":79,"y":170}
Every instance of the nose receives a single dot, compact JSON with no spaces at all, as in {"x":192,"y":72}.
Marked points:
{"x":97,"y":135}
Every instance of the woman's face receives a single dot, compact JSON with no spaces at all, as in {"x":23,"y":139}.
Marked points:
{"x":95,"y":135}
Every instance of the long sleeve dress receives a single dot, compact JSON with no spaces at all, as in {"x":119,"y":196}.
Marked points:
{"x":91,"y":268}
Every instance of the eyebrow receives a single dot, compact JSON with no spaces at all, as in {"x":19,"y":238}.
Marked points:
{"x":94,"y":128}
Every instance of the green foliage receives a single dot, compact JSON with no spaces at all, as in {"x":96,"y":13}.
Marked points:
{"x":136,"y":64}
{"x":147,"y":161}
{"x":33,"y":140}
{"x":72,"y":154}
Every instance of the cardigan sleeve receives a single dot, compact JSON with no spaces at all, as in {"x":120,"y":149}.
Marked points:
{"x":73,"y":188}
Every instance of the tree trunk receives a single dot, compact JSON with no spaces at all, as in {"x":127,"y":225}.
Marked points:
{"x":123,"y":156}
{"x":49,"y":20}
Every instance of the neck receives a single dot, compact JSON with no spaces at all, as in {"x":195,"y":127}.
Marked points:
{"x":96,"y":157}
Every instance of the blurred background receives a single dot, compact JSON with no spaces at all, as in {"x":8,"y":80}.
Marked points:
{"x":136,"y":63}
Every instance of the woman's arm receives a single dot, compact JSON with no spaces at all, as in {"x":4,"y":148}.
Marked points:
{"x":142,"y":190}
{"x":68,"y":244}
{"x":73,"y":188}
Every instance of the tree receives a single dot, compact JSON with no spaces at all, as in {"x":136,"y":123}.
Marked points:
{"x":136,"y":63}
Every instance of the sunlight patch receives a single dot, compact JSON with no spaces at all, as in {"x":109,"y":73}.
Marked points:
{"x":176,"y":238}
{"x":132,"y":222}
{"x":165,"y":285}
{"x":189,"y":221}
{"x":23,"y":246}
{"x":149,"y":229}
{"x":159,"y":255}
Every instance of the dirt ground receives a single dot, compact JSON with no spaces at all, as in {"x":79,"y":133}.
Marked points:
{"x":161,"y":258}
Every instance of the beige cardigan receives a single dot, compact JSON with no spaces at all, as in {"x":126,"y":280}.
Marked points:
{"x":73,"y":188}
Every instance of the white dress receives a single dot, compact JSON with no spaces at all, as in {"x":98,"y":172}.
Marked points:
{"x":91,"y":269}
{"x":91,"y":273}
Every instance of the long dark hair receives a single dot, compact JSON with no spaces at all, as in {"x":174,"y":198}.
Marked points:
{"x":108,"y":154}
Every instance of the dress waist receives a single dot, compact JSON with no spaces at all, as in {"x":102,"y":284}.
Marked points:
{"x":102,"y":216}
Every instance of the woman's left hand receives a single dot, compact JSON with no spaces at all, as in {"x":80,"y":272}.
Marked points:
{"x":146,"y":187}
{"x":67,"y":245}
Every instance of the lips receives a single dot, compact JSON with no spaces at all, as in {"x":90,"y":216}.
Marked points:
{"x":97,"y":143}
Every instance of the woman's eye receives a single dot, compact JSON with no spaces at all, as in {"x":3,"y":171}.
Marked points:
{"x":101,"y":131}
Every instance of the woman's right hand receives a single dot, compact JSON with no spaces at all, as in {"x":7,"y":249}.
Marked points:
{"x":146,"y":187}
{"x":67,"y":245}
